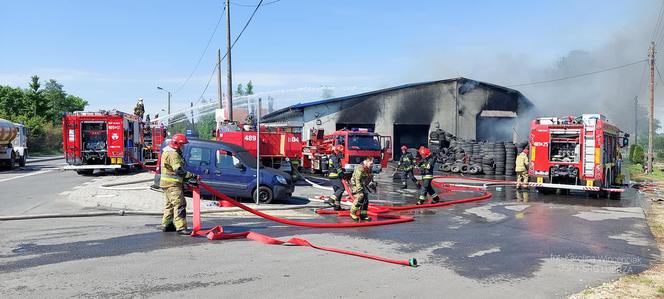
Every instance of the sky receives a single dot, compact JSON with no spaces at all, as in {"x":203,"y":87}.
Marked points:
{"x":112,"y":52}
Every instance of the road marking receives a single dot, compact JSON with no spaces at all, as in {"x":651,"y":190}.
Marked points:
{"x":25,"y":175}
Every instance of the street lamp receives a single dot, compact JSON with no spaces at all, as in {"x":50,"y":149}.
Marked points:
{"x":168,"y":117}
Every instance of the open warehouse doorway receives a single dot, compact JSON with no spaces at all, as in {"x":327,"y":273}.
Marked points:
{"x":412,"y":136}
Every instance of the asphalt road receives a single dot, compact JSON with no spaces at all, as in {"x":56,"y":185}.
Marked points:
{"x":517,"y":244}
{"x":39,"y":187}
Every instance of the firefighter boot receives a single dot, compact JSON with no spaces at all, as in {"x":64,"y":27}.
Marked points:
{"x":404,"y":185}
{"x":170,"y":227}
{"x":337,"y":207}
{"x":184,"y":232}
{"x":364,"y":216}
{"x":435,"y":199}
{"x":353,"y":213}
{"x":332,"y":201}
{"x":421,"y":200}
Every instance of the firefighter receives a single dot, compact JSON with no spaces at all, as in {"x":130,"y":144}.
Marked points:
{"x":139,"y":109}
{"x":335,"y":176}
{"x":171,"y":181}
{"x":426,"y":166}
{"x":406,"y":166}
{"x":361,"y":183}
{"x":522,"y":169}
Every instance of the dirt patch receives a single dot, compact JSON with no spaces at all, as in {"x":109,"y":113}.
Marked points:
{"x":650,"y":283}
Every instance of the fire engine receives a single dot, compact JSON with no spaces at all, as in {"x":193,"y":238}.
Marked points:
{"x":153,"y":138}
{"x":101,"y":140}
{"x":357,"y":143}
{"x":278,"y":149}
{"x":576,"y":153}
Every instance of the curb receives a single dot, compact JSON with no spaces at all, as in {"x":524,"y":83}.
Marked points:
{"x":32,"y":160}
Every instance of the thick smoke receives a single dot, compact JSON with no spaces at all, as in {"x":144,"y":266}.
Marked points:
{"x":610,"y":93}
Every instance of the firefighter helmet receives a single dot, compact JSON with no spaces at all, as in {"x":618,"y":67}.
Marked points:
{"x":404,"y":148}
{"x":424,"y":152}
{"x":178,"y":141}
{"x":338,"y":148}
{"x":525,"y":150}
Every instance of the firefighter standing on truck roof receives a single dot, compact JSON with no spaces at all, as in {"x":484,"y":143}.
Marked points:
{"x":171,"y":181}
{"x":335,"y":176}
{"x":406,"y":164}
{"x":522,"y":169}
{"x":361,"y":182}
{"x":427,"y":165}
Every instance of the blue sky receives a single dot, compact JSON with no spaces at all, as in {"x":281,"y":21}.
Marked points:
{"x":111,"y":52}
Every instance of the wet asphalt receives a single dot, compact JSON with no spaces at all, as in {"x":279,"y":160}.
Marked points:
{"x":512,"y":237}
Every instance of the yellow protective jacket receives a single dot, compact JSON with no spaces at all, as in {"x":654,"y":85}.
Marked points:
{"x":521,"y":162}
{"x":172,"y":164}
{"x":361,"y":177}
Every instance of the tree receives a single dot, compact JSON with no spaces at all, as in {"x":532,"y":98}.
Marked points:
{"x":326,"y":92}
{"x":637,"y":156}
{"x":178,"y":123}
{"x":205,"y":126}
{"x":240,"y":90}
{"x":249,"y":90}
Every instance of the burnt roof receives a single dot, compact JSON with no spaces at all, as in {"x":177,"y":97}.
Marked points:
{"x":301,"y":106}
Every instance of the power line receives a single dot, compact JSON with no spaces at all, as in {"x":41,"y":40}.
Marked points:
{"x":232,"y":45}
{"x":659,"y":75}
{"x":578,"y":75}
{"x":657,"y":28}
{"x":252,"y":5}
{"x":204,"y":51}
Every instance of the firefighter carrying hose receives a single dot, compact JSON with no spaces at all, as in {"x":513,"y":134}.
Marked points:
{"x":426,"y":166}
{"x":171,"y":181}
{"x":335,"y":176}
{"x":406,"y":164}
{"x":522,"y":169}
{"x":361,"y":183}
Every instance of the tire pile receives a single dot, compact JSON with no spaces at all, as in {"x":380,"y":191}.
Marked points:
{"x":474,"y":157}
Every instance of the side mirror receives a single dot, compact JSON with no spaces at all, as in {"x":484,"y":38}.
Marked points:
{"x":625,"y":141}
{"x":237,"y":163}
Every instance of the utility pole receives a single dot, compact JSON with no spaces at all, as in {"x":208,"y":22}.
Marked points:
{"x":228,"y":60}
{"x":651,"y":60}
{"x":219,"y":95}
{"x":192,"y":114}
{"x":636,"y":120}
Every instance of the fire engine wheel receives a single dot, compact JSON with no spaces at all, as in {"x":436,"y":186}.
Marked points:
{"x":85,"y":171}
{"x":615,"y":195}
{"x":265,"y":196}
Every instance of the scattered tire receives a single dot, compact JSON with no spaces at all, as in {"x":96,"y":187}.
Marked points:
{"x":446,"y":167}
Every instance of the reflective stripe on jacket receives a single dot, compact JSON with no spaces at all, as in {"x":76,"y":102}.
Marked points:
{"x":171,"y":161}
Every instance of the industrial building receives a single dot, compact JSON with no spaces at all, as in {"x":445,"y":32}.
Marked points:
{"x":466,"y":108}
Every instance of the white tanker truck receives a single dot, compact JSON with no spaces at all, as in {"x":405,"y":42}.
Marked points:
{"x":13,"y":144}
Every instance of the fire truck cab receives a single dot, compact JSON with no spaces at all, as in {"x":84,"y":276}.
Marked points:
{"x":357,"y":144}
{"x":576,"y":153}
{"x":101,"y":140}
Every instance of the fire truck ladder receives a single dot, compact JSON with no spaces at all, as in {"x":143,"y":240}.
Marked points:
{"x":589,"y":147}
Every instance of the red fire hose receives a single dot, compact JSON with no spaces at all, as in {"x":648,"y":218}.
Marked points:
{"x":217,"y":232}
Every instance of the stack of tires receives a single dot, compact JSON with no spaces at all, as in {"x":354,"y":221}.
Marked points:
{"x":487,"y":158}
{"x":499,"y":158}
{"x":510,"y":158}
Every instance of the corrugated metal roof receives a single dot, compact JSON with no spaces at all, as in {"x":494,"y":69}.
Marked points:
{"x":301,"y":106}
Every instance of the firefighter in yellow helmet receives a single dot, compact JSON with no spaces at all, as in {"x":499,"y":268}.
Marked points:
{"x":172,"y":177}
{"x":522,"y":169}
{"x":361,"y":183}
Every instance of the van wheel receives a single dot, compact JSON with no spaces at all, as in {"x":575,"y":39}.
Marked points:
{"x":266,"y":195}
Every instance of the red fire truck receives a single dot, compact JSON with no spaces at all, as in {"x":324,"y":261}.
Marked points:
{"x":279,"y":149}
{"x":357,"y":143}
{"x":576,"y":153}
{"x":101,"y":140}
{"x":153,"y":138}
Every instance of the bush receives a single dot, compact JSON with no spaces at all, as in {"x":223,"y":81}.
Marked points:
{"x":631,"y":151}
{"x":637,"y":156}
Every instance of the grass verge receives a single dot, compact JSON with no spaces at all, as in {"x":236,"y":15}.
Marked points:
{"x":650,"y":283}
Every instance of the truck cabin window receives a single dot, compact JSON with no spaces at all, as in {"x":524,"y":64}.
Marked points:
{"x":363,"y":142}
